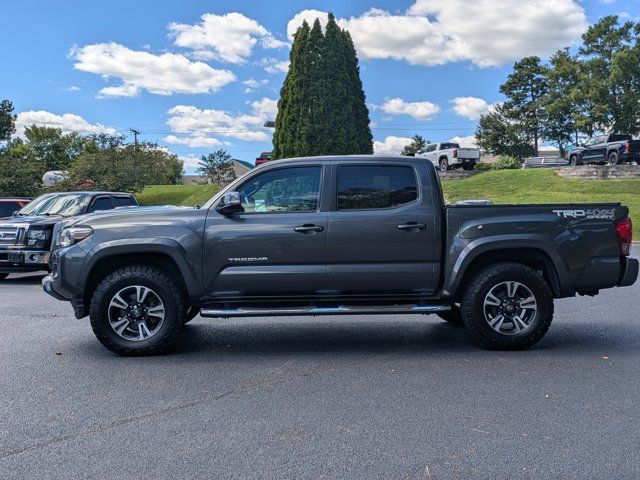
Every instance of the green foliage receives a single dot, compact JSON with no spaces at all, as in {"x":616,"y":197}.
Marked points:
{"x":483,"y":167}
{"x":500,"y":135}
{"x":217,"y":168}
{"x":417,"y":144}
{"x":562,"y":103}
{"x":19,"y":175}
{"x":525,"y":89}
{"x":322,"y":107}
{"x":107,"y":163}
{"x":507,"y":163}
{"x":7,"y":120}
{"x":51,"y":149}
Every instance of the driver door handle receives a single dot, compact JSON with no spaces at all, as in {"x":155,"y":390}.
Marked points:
{"x":412,"y":226}
{"x":308,"y":228}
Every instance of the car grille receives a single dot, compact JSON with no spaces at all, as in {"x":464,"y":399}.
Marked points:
{"x":10,"y":235}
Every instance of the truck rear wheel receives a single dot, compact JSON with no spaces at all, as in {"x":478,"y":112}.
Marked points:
{"x":507,"y":306}
{"x":137,"y":310}
{"x":614,"y":158}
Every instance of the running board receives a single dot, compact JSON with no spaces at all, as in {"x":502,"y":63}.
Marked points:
{"x":341,"y":310}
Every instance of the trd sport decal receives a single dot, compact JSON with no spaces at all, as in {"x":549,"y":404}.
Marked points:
{"x":594,"y":214}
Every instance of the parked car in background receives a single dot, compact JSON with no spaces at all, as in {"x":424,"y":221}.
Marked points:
{"x":337,"y":236}
{"x":8,"y":206}
{"x":263,"y":158}
{"x":544,"y":162}
{"x":25,"y":238}
{"x":612,"y":149}
{"x":447,"y":155}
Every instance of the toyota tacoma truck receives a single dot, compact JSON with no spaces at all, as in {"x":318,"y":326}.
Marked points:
{"x":445,"y":156}
{"x":25,"y":237}
{"x":337,"y":236}
{"x":612,"y":149}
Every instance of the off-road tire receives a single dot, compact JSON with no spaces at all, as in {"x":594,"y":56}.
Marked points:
{"x":472,"y":306}
{"x":163,"y":285}
{"x":573,"y":161}
{"x":443,"y":164}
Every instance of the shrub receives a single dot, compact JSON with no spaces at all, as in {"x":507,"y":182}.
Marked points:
{"x":507,"y":163}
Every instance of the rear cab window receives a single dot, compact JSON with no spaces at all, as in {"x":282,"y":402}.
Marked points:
{"x":124,"y":201}
{"x":366,"y":187}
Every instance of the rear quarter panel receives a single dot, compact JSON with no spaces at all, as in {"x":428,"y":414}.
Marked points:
{"x":580,"y":240}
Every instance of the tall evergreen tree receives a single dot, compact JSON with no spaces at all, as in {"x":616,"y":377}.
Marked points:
{"x":525,"y":90}
{"x":322,"y":108}
{"x":7,"y":120}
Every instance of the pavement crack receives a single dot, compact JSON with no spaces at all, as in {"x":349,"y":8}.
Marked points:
{"x":240,"y":389}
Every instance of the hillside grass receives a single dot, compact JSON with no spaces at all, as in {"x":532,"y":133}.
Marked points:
{"x":186,"y":195}
{"x":501,"y":186}
{"x":543,"y":186}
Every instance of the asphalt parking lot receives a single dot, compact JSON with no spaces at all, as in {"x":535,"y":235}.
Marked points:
{"x":320,"y":398}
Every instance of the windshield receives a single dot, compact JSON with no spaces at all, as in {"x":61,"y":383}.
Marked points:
{"x":56,"y":204}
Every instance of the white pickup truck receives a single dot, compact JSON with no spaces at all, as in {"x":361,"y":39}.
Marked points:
{"x":447,"y":155}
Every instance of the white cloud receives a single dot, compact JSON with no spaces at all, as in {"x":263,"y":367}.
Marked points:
{"x":468,"y":141}
{"x":485,"y":32}
{"x":253,"y":85}
{"x":418,"y":110}
{"x":160,"y":74}
{"x":308,"y":15}
{"x":67,"y":122}
{"x":73,"y":88}
{"x":194,"y":141}
{"x":471,"y":107}
{"x":190,"y":161}
{"x":230,"y":37}
{"x":274,"y":65}
{"x":124,"y":90}
{"x":196,"y":126}
{"x":391,"y":145}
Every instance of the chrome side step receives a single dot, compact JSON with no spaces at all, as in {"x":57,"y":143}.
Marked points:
{"x":311,"y":310}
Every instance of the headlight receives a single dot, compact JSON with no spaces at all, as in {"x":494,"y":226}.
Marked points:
{"x":37,"y":237}
{"x":72,"y":235}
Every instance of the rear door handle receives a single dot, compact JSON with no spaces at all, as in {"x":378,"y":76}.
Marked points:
{"x":308,"y":228}
{"x":412,"y":226}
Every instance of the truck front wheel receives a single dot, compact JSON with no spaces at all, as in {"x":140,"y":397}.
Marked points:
{"x":137,"y":310}
{"x":507,"y":306}
{"x":444,"y":165}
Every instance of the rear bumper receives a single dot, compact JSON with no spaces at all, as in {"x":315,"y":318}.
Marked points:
{"x":629,"y":273}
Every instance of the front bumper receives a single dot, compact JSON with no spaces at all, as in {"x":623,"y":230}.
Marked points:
{"x":15,"y":260}
{"x":629,"y":273}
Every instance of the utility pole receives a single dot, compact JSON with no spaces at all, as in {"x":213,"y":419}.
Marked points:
{"x":135,"y":137}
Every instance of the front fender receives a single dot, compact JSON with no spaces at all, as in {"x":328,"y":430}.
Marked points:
{"x":165,"y":246}
{"x":474,"y":249}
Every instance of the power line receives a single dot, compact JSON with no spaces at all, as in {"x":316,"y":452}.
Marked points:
{"x":135,"y":137}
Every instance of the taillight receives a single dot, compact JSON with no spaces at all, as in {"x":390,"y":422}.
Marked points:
{"x":624,"y":229}
{"x":628,"y":147}
{"x":455,"y":153}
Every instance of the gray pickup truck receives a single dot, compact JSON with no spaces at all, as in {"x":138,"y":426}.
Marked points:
{"x":332,"y":236}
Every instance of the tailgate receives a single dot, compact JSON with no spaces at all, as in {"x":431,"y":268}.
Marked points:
{"x":634,"y":145}
{"x":471,"y":153}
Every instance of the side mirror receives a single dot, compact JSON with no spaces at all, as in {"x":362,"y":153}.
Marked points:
{"x":230,"y":204}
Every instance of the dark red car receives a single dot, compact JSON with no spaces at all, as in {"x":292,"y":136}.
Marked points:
{"x":10,"y":205}
{"x":263,"y":158}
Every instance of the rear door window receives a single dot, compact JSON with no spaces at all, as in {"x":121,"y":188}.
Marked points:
{"x":99,"y":204}
{"x":124,"y":202}
{"x":375,"y":187}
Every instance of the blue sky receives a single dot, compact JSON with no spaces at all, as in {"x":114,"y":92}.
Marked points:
{"x":200,"y":75}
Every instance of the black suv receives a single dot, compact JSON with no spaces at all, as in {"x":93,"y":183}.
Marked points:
{"x":25,"y":238}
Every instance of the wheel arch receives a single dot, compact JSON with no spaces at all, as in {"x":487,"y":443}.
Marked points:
{"x":169,"y":258}
{"x":533,"y":255}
